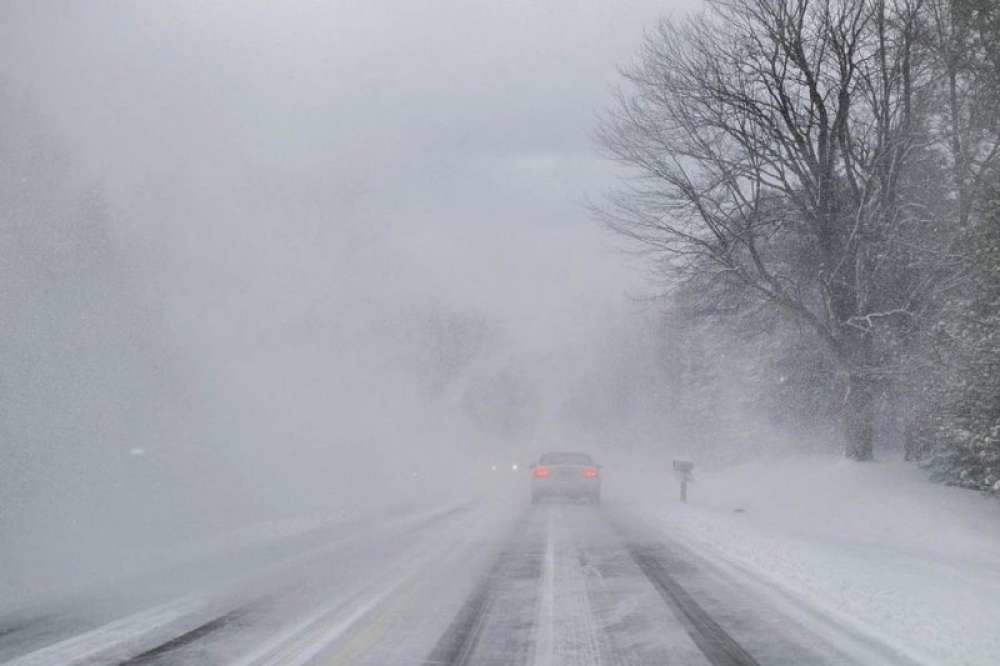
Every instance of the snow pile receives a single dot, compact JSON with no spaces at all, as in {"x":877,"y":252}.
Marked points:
{"x":875,"y":546}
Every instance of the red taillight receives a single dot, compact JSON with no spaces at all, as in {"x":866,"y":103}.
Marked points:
{"x":542,"y":472}
{"x":590,"y":472}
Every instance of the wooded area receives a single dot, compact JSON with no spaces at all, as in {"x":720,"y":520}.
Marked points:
{"x":823,"y":176}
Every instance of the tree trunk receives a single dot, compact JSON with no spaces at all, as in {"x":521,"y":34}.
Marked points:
{"x":859,"y":417}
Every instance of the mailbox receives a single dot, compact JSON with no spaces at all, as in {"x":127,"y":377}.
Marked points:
{"x":684,"y":469}
{"x":683,"y":466}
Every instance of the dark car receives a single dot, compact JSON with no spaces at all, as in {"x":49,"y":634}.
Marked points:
{"x":566,"y":475}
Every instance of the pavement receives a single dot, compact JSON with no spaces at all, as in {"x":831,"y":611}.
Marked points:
{"x":490,"y":582}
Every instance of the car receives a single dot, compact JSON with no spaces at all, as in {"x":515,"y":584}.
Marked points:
{"x":566,"y":475}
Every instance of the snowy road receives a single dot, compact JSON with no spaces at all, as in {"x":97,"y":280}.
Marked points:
{"x":482,"y":584}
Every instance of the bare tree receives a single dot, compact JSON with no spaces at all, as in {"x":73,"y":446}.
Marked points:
{"x":768,"y":142}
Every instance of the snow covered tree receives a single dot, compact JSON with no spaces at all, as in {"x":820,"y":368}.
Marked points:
{"x":953,"y":366}
{"x":824,"y":174}
{"x":770,"y":142}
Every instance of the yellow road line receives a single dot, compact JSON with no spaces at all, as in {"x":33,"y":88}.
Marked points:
{"x":362,"y":641}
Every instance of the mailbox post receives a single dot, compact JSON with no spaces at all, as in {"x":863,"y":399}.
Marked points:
{"x":683,"y":469}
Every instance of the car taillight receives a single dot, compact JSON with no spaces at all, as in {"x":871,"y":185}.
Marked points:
{"x":590,"y":472}
{"x":542,"y":472}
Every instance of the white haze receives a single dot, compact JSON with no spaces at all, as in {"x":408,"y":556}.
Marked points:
{"x":352,"y":260}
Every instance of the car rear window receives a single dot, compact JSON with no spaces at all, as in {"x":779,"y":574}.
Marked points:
{"x":566,"y":459}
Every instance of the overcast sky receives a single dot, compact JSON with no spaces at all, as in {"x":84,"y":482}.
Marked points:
{"x":266,"y":161}
{"x":463,"y":129}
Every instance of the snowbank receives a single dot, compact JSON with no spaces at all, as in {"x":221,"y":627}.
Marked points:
{"x":875,"y":546}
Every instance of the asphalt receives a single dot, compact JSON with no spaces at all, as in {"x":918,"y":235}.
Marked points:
{"x":498,"y":582}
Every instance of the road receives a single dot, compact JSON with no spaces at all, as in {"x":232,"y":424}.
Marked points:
{"x":486,"y":583}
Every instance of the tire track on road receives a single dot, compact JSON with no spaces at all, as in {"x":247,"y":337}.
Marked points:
{"x":459,"y":641}
{"x":716,"y":644}
{"x":497,"y":622}
{"x":762,"y":617}
{"x":165,"y":650}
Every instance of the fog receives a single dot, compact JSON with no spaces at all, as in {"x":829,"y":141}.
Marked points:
{"x":272,"y":259}
{"x":475,"y":331}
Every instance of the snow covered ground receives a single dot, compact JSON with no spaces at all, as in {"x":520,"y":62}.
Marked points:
{"x":872,"y":546}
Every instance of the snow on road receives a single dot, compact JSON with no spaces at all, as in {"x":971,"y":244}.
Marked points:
{"x":115,"y":641}
{"x":545,"y":641}
{"x":314,"y":635}
{"x":574,"y":585}
{"x":638,"y":582}
{"x":263,"y":571}
{"x":873,"y":547}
